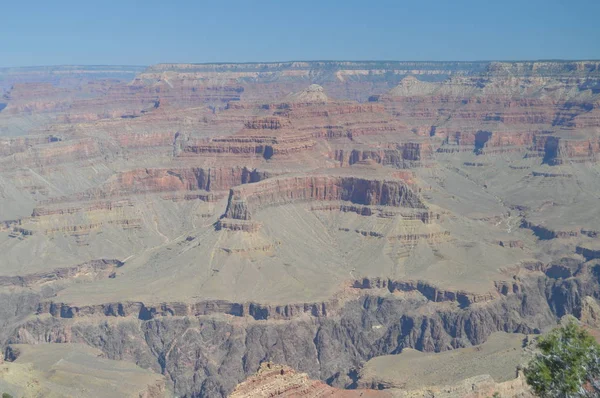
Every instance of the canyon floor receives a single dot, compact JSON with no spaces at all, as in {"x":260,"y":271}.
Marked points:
{"x":350,"y":224}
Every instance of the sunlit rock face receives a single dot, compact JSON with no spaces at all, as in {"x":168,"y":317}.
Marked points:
{"x":199,"y":220}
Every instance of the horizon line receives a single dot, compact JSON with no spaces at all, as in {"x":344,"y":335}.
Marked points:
{"x":307,"y":61}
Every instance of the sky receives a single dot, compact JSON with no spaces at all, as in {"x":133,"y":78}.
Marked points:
{"x":128,"y":32}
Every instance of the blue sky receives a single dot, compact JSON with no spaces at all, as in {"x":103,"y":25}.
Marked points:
{"x":54,"y":32}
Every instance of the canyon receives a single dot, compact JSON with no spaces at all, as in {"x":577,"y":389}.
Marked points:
{"x":295,"y":228}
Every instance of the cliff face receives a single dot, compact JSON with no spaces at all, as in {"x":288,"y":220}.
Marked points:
{"x":512,"y":103}
{"x":199,"y":220}
{"x":244,"y":201}
{"x":300,"y":122}
{"x":402,"y":156}
{"x":282,"y":381}
{"x":161,"y":180}
{"x":350,"y":80}
{"x":328,"y":347}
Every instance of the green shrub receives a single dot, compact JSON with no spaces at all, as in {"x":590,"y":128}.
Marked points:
{"x":567,"y":366}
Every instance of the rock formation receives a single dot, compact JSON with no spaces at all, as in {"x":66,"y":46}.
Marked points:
{"x":201,"y":220}
{"x":282,"y":381}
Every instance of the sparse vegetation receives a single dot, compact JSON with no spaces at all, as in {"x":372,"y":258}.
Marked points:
{"x":567,"y":366}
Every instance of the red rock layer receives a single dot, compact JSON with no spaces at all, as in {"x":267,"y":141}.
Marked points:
{"x":141,"y":181}
{"x":245,"y":200}
{"x":282,"y":381}
{"x":297,"y":124}
{"x":496,"y":113}
{"x":558,"y":150}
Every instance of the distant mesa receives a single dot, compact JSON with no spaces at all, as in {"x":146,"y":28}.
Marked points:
{"x":314,"y":93}
{"x":410,"y":85}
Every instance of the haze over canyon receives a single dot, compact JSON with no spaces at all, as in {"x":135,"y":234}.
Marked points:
{"x":322,"y":228}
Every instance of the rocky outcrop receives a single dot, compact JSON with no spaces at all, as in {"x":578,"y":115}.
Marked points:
{"x":178,"y":309}
{"x":203,"y":196}
{"x":273,"y":380}
{"x":590,"y":253}
{"x":237,"y":225}
{"x":557,"y":150}
{"x":296,"y":124}
{"x":511,"y":109}
{"x":243,"y":201}
{"x":327,"y":347}
{"x":257,"y":311}
{"x":405,"y":155}
{"x":431,"y":292}
{"x":313,"y":94}
{"x":483,"y":386}
{"x":348,"y":80}
{"x":142,"y":181}
{"x":177,"y":90}
{"x":76,"y":208}
{"x":545,"y":233}
{"x":91,"y":270}
{"x":492,"y":368}
{"x":262,"y":146}
{"x":481,"y":141}
{"x":422,"y":215}
{"x":84,"y":229}
{"x":267,"y":123}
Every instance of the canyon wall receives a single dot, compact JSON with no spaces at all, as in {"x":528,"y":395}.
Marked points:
{"x":244,"y":201}
{"x":328,"y":347}
{"x":418,"y":205}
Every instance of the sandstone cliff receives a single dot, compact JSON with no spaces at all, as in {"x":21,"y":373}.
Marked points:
{"x":199,"y":220}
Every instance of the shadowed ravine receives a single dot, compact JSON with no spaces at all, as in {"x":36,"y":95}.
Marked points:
{"x":210,"y":354}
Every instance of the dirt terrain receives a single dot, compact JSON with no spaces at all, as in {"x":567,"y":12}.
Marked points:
{"x":74,"y":370}
{"x":329,"y":217}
